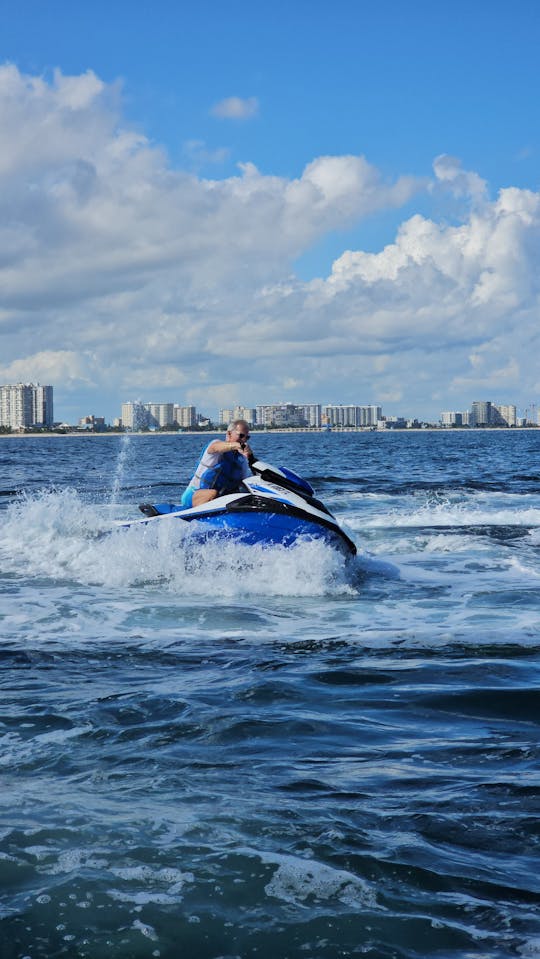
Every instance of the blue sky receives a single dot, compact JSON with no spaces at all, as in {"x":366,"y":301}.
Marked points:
{"x":397,"y":84}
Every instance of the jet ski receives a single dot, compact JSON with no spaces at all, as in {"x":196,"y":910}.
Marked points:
{"x":274,"y":506}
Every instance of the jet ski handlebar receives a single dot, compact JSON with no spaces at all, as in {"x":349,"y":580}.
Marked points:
{"x":282,"y":476}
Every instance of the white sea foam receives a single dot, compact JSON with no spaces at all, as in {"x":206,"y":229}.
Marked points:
{"x":57,"y":535}
{"x":144,"y":884}
{"x":523,"y":569}
{"x":40,"y":852}
{"x":297,"y":879}
{"x":455,"y":510}
{"x":16,"y":748}
{"x":67,"y":558}
{"x":72,"y":860}
{"x":458,"y":543}
{"x":60,"y":736}
{"x":530,"y":949}
{"x":145,"y":929}
{"x":147,"y":874}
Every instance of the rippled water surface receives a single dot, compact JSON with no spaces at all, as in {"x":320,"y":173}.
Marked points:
{"x":222,"y":751}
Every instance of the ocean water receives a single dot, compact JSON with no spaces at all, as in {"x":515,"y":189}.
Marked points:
{"x":219,"y":752}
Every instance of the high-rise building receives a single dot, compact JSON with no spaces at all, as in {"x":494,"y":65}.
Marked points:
{"x":160,"y":414}
{"x":312,"y":414}
{"x":507,"y":414}
{"x":371,"y":415}
{"x":154,"y":416}
{"x":26,"y":405}
{"x":225,"y":416}
{"x":491,"y":414}
{"x":481,"y":413}
{"x":281,"y":415}
{"x":352,"y":416}
{"x":245,"y":413}
{"x":185,"y":417}
{"x":42,"y":405}
{"x":451,"y":419}
{"x":134,"y":415}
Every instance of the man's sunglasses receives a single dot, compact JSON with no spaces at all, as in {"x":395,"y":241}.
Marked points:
{"x":243,"y":436}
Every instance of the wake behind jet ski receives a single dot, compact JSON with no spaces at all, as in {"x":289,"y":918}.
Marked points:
{"x":272,"y":506}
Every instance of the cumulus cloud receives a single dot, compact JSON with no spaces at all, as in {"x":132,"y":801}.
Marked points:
{"x":486,"y":263}
{"x":50,"y":366}
{"x":123,"y":275}
{"x":446,"y":291}
{"x":462,"y":183}
{"x":236,"y":108}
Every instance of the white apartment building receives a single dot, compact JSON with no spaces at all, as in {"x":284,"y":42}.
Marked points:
{"x":246,"y":413}
{"x":155,"y":416}
{"x":313,"y":415}
{"x":481,"y":413}
{"x":486,"y":413}
{"x":134,"y":416}
{"x":16,"y":406}
{"x":185,"y":417}
{"x":281,"y":415}
{"x":371,"y":415}
{"x":352,"y":416}
{"x":159,"y":414}
{"x":450,"y":419}
{"x":25,"y":405}
{"x":508,"y":414}
{"x":42,"y":407}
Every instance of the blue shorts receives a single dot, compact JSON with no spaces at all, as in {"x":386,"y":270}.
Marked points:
{"x":187,"y":497}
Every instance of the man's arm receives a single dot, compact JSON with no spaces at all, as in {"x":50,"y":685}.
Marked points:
{"x":224,"y":446}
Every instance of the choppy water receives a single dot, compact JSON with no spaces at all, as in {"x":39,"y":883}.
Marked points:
{"x":210,"y":752}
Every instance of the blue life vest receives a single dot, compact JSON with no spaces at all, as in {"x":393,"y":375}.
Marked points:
{"x":225,"y":476}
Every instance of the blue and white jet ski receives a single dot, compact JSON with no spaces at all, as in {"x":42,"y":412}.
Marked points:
{"x":274,"y":506}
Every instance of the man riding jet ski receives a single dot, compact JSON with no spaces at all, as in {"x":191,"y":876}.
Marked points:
{"x":221,"y":469}
{"x":222,"y":466}
{"x":232,"y":493}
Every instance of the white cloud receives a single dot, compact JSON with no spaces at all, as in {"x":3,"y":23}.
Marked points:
{"x":199,"y":154}
{"x":124,"y":275}
{"x":50,"y":366}
{"x":461,"y":182}
{"x":236,"y":108}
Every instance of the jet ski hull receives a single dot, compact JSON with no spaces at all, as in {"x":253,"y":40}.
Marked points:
{"x":266,"y":527}
{"x":275,"y":508}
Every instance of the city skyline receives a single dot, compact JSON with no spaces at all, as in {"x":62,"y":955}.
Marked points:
{"x":161,"y":415}
{"x":24,"y":405}
{"x":215,"y":214}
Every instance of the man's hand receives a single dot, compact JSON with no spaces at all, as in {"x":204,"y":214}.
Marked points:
{"x":246,"y":451}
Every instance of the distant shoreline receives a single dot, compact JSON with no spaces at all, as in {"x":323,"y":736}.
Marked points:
{"x":314,"y":430}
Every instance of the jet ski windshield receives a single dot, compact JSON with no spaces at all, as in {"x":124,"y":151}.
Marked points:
{"x":283,"y":477}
